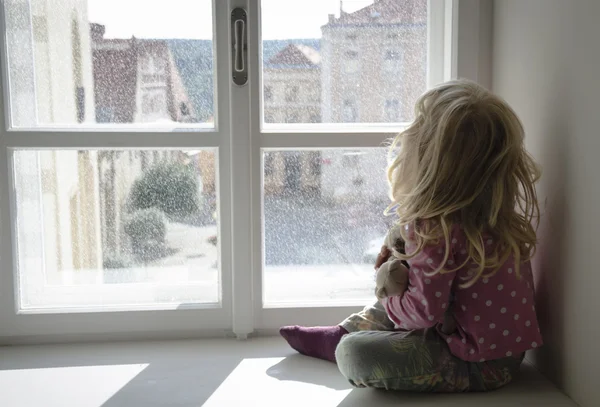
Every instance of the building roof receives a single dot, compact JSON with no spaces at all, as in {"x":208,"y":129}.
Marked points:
{"x":384,"y":12}
{"x":295,"y":56}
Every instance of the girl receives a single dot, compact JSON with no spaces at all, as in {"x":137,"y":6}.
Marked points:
{"x":462,"y":186}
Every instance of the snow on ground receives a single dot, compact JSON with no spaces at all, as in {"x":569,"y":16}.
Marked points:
{"x":190,"y":275}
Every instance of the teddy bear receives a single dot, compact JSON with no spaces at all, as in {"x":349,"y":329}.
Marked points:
{"x":392,"y":276}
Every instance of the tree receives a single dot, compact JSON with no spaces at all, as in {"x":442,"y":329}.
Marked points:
{"x":170,"y":187}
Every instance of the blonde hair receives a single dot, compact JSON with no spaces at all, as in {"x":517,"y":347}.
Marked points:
{"x":463,"y":162}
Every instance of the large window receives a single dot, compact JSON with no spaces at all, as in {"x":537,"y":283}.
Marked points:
{"x":140,"y":184}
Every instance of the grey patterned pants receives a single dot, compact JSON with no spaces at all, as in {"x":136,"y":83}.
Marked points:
{"x":373,"y":354}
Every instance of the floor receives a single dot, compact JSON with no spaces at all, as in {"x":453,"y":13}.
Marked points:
{"x":259,"y":372}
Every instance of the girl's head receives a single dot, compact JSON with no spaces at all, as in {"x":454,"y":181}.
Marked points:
{"x":463,"y":161}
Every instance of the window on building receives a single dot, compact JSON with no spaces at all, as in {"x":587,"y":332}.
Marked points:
{"x":154,"y":103}
{"x":291,"y":93}
{"x":170,"y":255}
{"x":349,"y":111}
{"x":315,"y":161}
{"x":351,"y":62}
{"x":351,"y":159}
{"x":153,"y":64}
{"x":392,"y":60}
{"x":313,"y":92}
{"x":268,"y":93}
{"x":391,"y":111}
{"x":153,"y":79}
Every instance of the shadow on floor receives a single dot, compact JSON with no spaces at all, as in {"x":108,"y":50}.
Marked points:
{"x":298,"y":368}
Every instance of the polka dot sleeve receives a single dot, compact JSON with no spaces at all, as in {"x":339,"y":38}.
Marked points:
{"x":427,"y":298}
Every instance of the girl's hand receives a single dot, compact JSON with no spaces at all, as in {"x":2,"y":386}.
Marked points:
{"x":382,"y":257}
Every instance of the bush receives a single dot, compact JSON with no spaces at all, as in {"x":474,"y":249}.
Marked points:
{"x":147,"y":225}
{"x":147,"y":229}
{"x":170,"y":187}
{"x":115,"y":261}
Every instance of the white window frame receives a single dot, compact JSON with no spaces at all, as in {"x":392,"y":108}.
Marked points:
{"x":241,"y":140}
{"x":23,"y":326}
{"x":267,"y":319}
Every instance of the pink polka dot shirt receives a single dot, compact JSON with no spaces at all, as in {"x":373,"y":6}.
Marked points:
{"x":495,"y":317}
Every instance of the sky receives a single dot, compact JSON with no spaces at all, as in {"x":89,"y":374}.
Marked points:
{"x":192,"y":19}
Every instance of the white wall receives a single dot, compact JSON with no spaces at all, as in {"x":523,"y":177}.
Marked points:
{"x":546,"y":59}
{"x":471,"y":45}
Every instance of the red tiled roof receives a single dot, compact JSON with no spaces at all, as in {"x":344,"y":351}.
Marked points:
{"x":296,"y":55}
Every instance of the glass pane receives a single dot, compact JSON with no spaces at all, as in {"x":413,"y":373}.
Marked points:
{"x":116,"y":228}
{"x":93,"y":62}
{"x":343,"y":61}
{"x":324,"y":224}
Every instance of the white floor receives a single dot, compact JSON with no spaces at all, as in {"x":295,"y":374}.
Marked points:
{"x":259,"y":372}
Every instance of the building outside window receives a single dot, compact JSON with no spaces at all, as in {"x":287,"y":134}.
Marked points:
{"x":351,"y":62}
{"x":392,"y":60}
{"x":268,"y":93}
{"x":392,"y":111}
{"x":349,"y":111}
{"x":291,"y":93}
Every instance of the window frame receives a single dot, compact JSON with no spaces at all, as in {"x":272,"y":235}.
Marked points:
{"x":118,"y":322}
{"x":451,"y":55}
{"x":266,"y":137}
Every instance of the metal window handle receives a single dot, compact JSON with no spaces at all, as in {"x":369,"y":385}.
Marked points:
{"x":239,"y":47}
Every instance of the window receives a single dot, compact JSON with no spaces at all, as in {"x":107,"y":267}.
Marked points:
{"x":154,"y":63}
{"x":349,"y":111}
{"x":114,"y":196}
{"x":154,"y":103}
{"x":351,"y":62}
{"x":315,"y":163}
{"x":351,"y":159}
{"x":340,"y":188}
{"x":268,"y":93}
{"x":392,"y":55}
{"x":291,"y":93}
{"x":116,"y":254}
{"x":314,"y":93}
{"x":392,"y":111}
{"x":339,"y":59}
{"x":392,"y":60}
{"x":96,"y":229}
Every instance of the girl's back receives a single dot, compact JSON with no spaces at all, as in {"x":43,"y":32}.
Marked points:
{"x":494,"y":317}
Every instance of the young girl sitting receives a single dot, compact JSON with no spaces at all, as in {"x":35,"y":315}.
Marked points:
{"x":463,"y":188}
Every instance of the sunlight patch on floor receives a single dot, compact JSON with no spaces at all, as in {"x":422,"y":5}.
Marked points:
{"x":259,"y":382}
{"x":84,"y":385}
